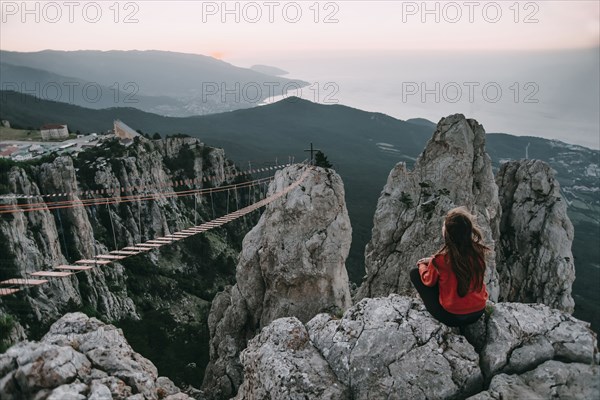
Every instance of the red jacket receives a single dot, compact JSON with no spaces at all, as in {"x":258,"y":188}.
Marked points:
{"x":449,"y":298}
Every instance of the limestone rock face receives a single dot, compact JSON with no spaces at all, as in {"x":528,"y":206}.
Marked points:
{"x":44,"y":238}
{"x":59,"y":176}
{"x":551,"y":380}
{"x":282,"y":364}
{"x":392,"y":348}
{"x":33,"y":242}
{"x":516,"y":337}
{"x":292,"y":264}
{"x":81,"y":358}
{"x":535,"y":263}
{"x":453,"y":170}
{"x":392,"y":345}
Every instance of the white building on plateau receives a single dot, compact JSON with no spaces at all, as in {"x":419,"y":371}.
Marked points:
{"x":54,"y":131}
{"x":122,"y":131}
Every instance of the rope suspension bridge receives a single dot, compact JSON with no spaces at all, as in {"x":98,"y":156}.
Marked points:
{"x":151,"y":192}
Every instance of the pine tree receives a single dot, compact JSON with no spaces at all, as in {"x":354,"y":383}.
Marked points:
{"x":321,"y":160}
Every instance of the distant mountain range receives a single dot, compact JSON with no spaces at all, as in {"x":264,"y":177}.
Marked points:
{"x":166,"y":83}
{"x":363,"y":147}
{"x":50,"y":86}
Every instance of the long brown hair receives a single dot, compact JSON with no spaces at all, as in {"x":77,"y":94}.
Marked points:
{"x":463,"y":244}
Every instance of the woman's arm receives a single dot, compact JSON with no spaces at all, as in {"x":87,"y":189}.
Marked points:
{"x":428,"y":271}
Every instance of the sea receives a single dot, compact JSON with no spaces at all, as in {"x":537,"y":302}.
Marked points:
{"x":550,"y":94}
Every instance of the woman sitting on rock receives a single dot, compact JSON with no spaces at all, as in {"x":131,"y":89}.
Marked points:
{"x":451,"y":281}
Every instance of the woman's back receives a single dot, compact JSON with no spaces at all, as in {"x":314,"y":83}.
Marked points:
{"x":451,"y":283}
{"x":449,"y":298}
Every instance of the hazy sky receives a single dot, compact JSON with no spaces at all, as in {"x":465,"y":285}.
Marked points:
{"x":205,"y":27}
{"x":367,"y":48}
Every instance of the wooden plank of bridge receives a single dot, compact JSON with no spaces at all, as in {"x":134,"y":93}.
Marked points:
{"x":109,"y":257}
{"x":136,"y":248}
{"x":93,"y":262}
{"x":124,"y":252}
{"x":200,"y":229}
{"x":205,"y":226}
{"x":150,"y":245}
{"x":74,"y":267}
{"x":158,"y":241}
{"x":25,"y":281}
{"x":6,"y":292}
{"x":173,"y":238}
{"x":52,"y":274}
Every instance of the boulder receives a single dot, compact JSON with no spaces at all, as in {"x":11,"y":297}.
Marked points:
{"x":282,"y":364}
{"x":453,"y":170}
{"x":550,"y":380}
{"x":81,"y":358}
{"x":534,"y":259}
{"x":514,"y":338}
{"x":392,"y":347}
{"x":292,"y":264}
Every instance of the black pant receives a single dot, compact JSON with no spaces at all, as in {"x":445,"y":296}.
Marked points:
{"x":431,"y":299}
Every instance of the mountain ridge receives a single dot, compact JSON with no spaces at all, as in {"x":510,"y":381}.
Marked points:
{"x":362,"y":146}
{"x":196,"y":84}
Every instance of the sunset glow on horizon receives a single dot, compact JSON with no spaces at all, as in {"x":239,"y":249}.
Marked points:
{"x":241,"y":29}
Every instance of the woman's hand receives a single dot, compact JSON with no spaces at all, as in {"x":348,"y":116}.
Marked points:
{"x":425,"y":260}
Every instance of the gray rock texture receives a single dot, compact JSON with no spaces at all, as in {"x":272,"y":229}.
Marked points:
{"x":393,"y":346}
{"x":534,"y":259}
{"x":521,"y":212}
{"x":281,"y":363}
{"x":39,"y":240}
{"x":174,"y":283}
{"x":292,"y":264}
{"x":550,"y":380}
{"x":453,"y":170}
{"x":516,"y":337}
{"x":81,"y":358}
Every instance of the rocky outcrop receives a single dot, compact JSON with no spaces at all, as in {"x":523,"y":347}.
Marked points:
{"x":292,"y":264}
{"x":535,"y":263}
{"x":36,"y":240}
{"x":550,"y":380}
{"x":173,"y":284}
{"x":516,"y":337}
{"x":392,"y":348}
{"x":18,"y":231}
{"x":81,"y":358}
{"x":282,"y":364}
{"x":522,"y":213}
{"x":60,"y":177}
{"x":392,"y":345}
{"x":453,"y":170}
